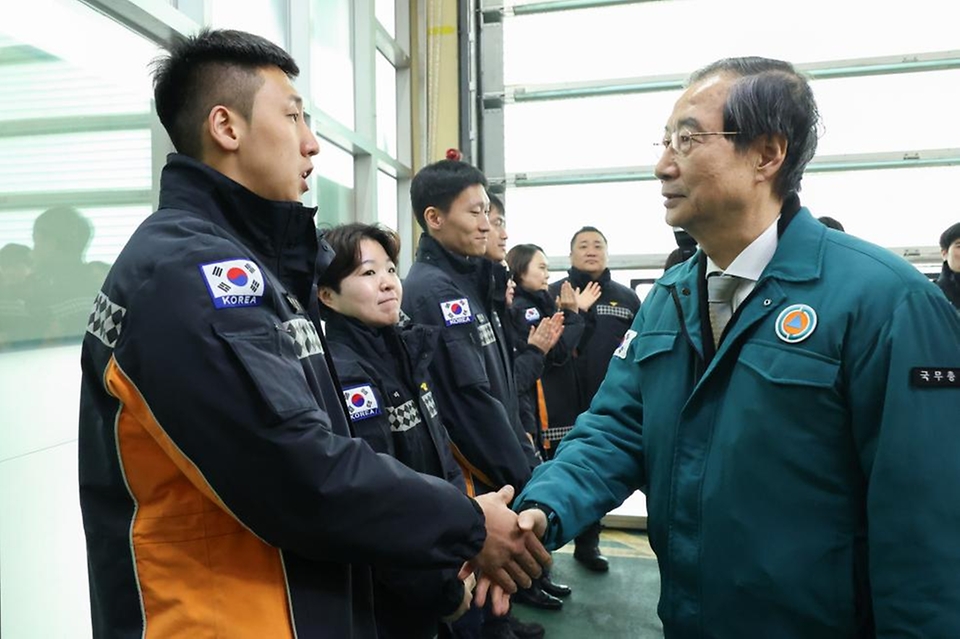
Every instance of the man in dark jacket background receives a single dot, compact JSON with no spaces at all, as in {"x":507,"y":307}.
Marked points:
{"x":451,"y":285}
{"x":608,"y":309}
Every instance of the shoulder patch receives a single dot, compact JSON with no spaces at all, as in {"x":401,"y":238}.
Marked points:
{"x":234,"y":283}
{"x":361,"y":402}
{"x":621,"y":351}
{"x":456,"y":312}
{"x":531,"y":315}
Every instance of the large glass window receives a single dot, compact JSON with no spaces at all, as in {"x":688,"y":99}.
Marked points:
{"x":266,"y":18}
{"x":386,"y":11}
{"x":659,"y":38}
{"x":630,"y":215}
{"x":331,"y":59}
{"x":75,"y":168}
{"x":334,"y":169}
{"x":386,"y":105}
{"x":387,"y":200}
{"x":610,"y":134}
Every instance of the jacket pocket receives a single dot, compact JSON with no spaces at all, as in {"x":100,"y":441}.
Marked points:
{"x":270,"y":359}
{"x":648,"y":345}
{"x":790,"y":366}
{"x":465,"y":359}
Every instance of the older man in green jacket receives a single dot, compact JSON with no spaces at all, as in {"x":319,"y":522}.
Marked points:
{"x":797,"y":439}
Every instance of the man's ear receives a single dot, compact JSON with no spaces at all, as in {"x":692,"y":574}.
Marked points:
{"x":225,"y":127}
{"x":943,"y":254}
{"x":434,"y":218}
{"x":772,"y":151}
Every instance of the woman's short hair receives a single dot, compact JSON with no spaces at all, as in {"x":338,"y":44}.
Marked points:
{"x":345,"y":242}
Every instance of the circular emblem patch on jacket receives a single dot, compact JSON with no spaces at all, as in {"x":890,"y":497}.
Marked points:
{"x":795,"y":323}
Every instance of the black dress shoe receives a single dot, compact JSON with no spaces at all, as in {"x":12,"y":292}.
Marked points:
{"x":555,"y":589}
{"x":536,"y":598}
{"x":525,"y":630}
{"x":592,"y":559}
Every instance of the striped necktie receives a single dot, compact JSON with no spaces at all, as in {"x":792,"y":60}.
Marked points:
{"x":720,"y":289}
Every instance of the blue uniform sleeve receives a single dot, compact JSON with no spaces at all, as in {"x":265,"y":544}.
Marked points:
{"x":907,"y":433}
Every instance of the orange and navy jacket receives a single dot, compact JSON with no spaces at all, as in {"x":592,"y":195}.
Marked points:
{"x":222,"y":494}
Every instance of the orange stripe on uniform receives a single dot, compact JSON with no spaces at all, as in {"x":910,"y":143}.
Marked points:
{"x":544,"y":416}
{"x":469,"y":472}
{"x":201,"y":573}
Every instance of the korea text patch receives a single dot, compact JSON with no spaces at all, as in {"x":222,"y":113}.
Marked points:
{"x":361,"y":402}
{"x":456,"y":312}
{"x":234,"y":283}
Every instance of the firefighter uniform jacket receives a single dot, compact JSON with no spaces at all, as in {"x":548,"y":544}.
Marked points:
{"x":570,"y":388}
{"x":388,"y":393}
{"x":801,"y":482}
{"x":476,"y":394}
{"x":529,"y":309}
{"x":222,"y":494}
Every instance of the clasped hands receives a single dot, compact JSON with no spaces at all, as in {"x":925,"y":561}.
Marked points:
{"x":512,"y":554}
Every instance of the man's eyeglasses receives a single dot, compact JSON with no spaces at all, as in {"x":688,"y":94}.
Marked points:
{"x":681,"y":140}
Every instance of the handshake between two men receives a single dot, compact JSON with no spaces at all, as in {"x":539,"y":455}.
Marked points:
{"x":512,"y":554}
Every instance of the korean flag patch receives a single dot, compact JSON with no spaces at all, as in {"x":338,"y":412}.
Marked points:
{"x":621,"y":351}
{"x":456,"y":312}
{"x":234,"y":283}
{"x":531,"y":315}
{"x":361,"y":402}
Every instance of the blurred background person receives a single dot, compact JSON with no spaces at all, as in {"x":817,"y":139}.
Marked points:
{"x":16,"y":265}
{"x":949,"y":280}
{"x":62,"y":286}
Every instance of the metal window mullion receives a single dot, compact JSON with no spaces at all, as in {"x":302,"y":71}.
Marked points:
{"x":365,"y":110}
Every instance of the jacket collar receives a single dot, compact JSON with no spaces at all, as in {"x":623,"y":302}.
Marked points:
{"x":798,"y":258}
{"x":948,"y":276}
{"x":540,"y":299}
{"x":478,"y":269}
{"x":271,"y":226}
{"x":431,"y":251}
{"x":579,"y":278}
{"x":384,"y":347}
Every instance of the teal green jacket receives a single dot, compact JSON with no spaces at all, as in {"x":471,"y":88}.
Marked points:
{"x":804,"y":488}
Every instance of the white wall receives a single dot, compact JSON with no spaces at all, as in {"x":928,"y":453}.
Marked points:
{"x":43,"y":572}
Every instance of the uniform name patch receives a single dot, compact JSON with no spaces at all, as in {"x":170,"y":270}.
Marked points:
{"x":621,"y":351}
{"x":531,"y":315}
{"x":930,"y":377}
{"x":234,"y":283}
{"x":361,"y":402}
{"x":456,"y":312}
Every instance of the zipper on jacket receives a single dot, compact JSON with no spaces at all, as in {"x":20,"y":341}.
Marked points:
{"x":700,"y":364}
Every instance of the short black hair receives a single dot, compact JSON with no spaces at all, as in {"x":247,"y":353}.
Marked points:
{"x":950,"y":236}
{"x":770,"y":97}
{"x":587,"y":229}
{"x":496,"y":203}
{"x":345,"y":241}
{"x":439,"y":184}
{"x":67,"y":227}
{"x":830,"y":223}
{"x":519,"y":258}
{"x":216,"y":66}
{"x":15,"y":254}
